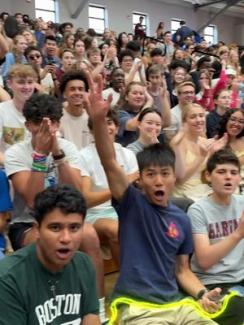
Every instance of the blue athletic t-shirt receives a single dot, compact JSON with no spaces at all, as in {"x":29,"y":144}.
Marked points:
{"x":150,"y":238}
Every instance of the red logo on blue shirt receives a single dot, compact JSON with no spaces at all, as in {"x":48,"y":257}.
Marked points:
{"x":172,"y":232}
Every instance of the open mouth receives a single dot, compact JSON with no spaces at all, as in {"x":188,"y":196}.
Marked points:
{"x":228,"y":185}
{"x":63,"y":253}
{"x":159,"y":194}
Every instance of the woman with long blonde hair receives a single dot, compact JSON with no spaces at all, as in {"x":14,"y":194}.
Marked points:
{"x":17,"y":54}
{"x":192,"y":150}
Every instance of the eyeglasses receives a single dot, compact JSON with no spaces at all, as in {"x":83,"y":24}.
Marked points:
{"x":33,"y":57}
{"x":187,"y":93}
{"x":235,"y":119}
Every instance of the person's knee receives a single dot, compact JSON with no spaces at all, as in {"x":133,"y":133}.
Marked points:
{"x":107,"y":229}
{"x":90,"y":240}
{"x":112,"y":232}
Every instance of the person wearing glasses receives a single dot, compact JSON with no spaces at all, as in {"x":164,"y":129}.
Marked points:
{"x":47,"y":75}
{"x":186,"y":95}
{"x":232,"y":123}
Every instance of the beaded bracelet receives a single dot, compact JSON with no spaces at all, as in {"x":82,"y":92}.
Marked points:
{"x":39,"y":163}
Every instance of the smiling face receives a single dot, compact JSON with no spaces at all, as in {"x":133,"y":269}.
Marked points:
{"x":73,"y":93}
{"x":112,"y":128}
{"x":179,"y":75}
{"x":136,"y":97}
{"x":224,"y":179}
{"x":118,"y":79}
{"x":60,"y":237}
{"x":186,"y":94}
{"x":179,"y":55}
{"x":150,"y":126}
{"x":235,"y":124}
{"x":21,"y":44}
{"x":127,"y":63}
{"x":51,"y":47}
{"x":196,"y":119}
{"x":22,"y":88}
{"x":157,"y":182}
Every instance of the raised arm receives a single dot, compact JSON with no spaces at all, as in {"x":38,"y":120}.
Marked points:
{"x":98,"y":109}
{"x":165,"y":106}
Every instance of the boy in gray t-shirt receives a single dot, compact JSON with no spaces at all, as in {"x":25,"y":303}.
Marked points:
{"x":218,"y":233}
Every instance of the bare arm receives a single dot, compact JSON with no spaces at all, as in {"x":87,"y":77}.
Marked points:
{"x":132,"y":124}
{"x":133,"y":72}
{"x":70,"y":175}
{"x":208,"y":255}
{"x":91,"y":319}
{"x":1,"y":158}
{"x":4,"y":48}
{"x":94,"y":198}
{"x":192,"y":285}
{"x":186,"y":278}
{"x":98,"y":109}
{"x":165,"y":106}
{"x":98,"y":70}
{"x":185,"y":170}
{"x":27,"y":184}
{"x":4,"y":95}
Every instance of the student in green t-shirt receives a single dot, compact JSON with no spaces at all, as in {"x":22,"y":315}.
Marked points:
{"x":50,"y":282}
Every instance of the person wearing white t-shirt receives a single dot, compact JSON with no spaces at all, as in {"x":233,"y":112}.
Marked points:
{"x":21,"y":80}
{"x":95,"y":186}
{"x":73,"y":124}
{"x":44,"y":160}
{"x":117,"y":85}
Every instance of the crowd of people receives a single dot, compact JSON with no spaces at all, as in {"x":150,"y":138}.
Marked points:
{"x":125,"y":141}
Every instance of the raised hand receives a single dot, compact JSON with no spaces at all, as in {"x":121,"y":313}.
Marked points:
{"x":205,"y":146}
{"x":93,"y":101}
{"x":153,"y":137}
{"x":219,"y":143}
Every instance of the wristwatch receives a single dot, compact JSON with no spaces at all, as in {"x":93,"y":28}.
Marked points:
{"x":201,"y":293}
{"x":60,"y":156}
